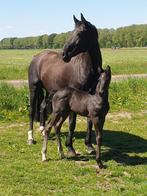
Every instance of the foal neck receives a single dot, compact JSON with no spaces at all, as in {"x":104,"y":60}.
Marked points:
{"x":103,"y":94}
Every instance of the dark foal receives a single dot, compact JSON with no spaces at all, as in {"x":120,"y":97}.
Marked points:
{"x":95,"y":107}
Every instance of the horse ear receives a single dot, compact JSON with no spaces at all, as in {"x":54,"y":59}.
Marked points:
{"x":77,"y":22}
{"x":82,"y":18}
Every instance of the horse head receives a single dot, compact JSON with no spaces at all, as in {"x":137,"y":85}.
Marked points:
{"x":81,"y":40}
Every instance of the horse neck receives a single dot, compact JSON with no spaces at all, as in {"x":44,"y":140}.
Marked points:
{"x":95,"y":55}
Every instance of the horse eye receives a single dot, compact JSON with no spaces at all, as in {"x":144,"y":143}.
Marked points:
{"x":79,"y":34}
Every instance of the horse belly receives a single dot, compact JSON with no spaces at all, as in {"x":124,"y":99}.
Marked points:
{"x":55,"y":78}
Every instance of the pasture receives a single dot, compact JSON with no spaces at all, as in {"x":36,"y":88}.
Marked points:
{"x":124,"y":148}
{"x":14,"y":63}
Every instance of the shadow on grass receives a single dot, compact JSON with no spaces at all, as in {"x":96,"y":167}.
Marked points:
{"x":117,"y":145}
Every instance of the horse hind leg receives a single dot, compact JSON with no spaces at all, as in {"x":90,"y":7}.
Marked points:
{"x":31,"y":116}
{"x":36,"y":97}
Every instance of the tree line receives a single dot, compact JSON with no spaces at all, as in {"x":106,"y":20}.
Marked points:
{"x":130,"y":36}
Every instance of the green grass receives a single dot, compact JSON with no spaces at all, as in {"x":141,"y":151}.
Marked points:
{"x":124,"y":152}
{"x":124,"y":149}
{"x":126,"y":60}
{"x":14,"y":63}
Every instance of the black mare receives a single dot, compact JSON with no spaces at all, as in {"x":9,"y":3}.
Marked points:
{"x":78,"y":66}
{"x":95,"y":107}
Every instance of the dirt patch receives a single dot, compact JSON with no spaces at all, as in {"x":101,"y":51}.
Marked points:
{"x":13,"y":125}
{"x":119,"y":115}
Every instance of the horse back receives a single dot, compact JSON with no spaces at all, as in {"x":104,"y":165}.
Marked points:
{"x":49,"y":68}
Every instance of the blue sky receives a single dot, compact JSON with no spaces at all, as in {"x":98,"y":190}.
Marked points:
{"x":19,"y":18}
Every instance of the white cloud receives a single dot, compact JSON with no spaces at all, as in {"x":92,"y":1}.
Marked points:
{"x":9,"y":27}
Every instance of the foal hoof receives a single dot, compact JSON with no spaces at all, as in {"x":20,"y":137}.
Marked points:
{"x":30,"y":142}
{"x":100,"y":166}
{"x":91,"y":150}
{"x":71,"y":153}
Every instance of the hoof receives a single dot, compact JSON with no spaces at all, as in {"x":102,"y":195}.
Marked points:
{"x":71,"y":153}
{"x":41,"y":128}
{"x":91,"y":150}
{"x":30,"y":142}
{"x":63,"y":156}
{"x":44,"y":160}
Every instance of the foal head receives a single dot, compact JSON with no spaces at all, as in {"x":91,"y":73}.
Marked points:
{"x":104,"y":81}
{"x":82,"y":39}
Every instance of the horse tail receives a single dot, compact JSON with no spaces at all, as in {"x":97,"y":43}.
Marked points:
{"x":39,"y":96}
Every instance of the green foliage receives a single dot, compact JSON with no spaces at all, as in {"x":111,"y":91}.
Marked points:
{"x":59,"y":40}
{"x":130,"y":36}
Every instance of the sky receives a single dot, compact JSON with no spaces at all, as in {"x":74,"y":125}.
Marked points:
{"x":21,"y":18}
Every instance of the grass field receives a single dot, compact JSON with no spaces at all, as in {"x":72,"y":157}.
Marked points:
{"x":14,"y":63}
{"x":124,"y":152}
{"x":124,"y":149}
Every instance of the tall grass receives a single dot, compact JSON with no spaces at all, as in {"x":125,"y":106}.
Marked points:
{"x":13,"y":102}
{"x":127,"y":95}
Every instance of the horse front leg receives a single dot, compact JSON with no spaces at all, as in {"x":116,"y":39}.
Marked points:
{"x":98,"y":133}
{"x":69,"y":142}
{"x":88,"y":139}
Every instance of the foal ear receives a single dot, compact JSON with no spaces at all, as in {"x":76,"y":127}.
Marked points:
{"x":108,"y":69}
{"x":77,"y":22}
{"x":82,"y":18}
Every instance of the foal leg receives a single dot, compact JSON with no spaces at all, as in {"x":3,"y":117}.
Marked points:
{"x":69,"y":142}
{"x":57,"y":130}
{"x":98,"y":132}
{"x":47,"y":131}
{"x":88,"y":139}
